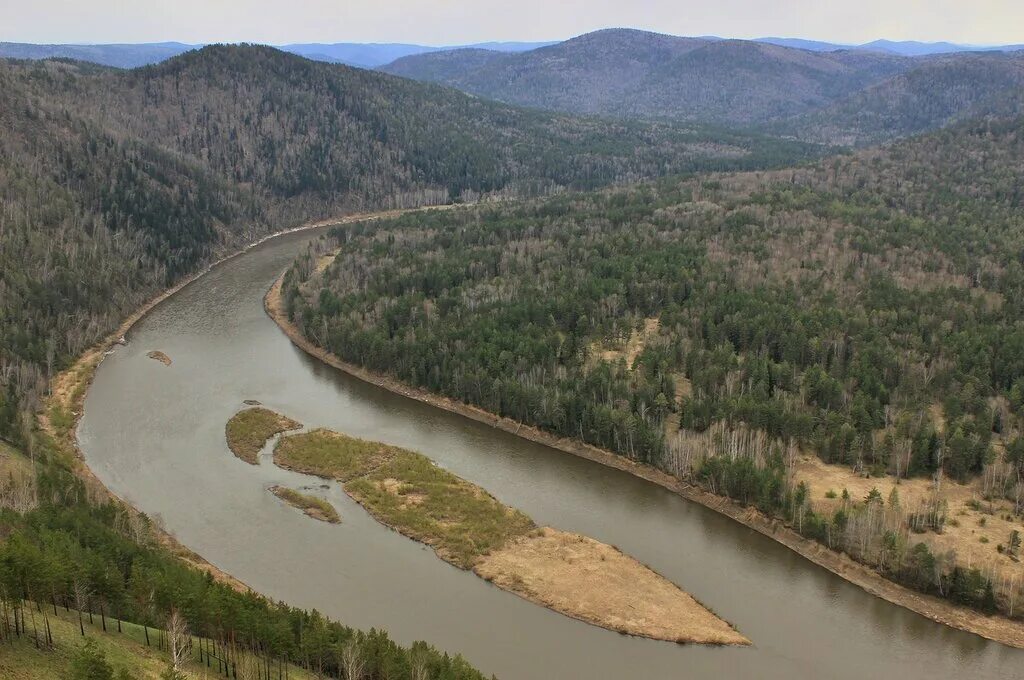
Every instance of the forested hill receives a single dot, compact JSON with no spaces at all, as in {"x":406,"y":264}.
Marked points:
{"x":938,"y":92}
{"x":629,"y":73}
{"x":867,"y":309}
{"x":817,"y":304}
{"x":836,"y":96}
{"x":114,"y":184}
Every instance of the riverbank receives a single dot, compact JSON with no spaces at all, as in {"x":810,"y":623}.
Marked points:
{"x":999,"y":629}
{"x":64,"y":406}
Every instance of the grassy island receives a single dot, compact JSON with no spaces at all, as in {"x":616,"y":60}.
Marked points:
{"x":471,"y":529}
{"x":248,"y":431}
{"x":157,"y":355}
{"x":317,"y":508}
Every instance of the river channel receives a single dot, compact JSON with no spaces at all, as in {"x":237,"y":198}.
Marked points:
{"x":154,"y":434}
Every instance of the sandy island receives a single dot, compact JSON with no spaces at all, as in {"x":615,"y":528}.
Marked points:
{"x":469,"y":528}
{"x":594,"y":582}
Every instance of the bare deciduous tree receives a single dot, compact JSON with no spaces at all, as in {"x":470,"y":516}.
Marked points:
{"x":179,"y":638}
{"x":352,"y":660}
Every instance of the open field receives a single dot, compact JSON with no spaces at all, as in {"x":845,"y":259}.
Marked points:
{"x":248,"y":431}
{"x":975,"y":529}
{"x":12,"y":461}
{"x":17,"y":482}
{"x":631,"y":348}
{"x":317,"y":508}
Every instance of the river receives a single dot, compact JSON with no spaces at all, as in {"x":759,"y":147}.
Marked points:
{"x":154,"y":435}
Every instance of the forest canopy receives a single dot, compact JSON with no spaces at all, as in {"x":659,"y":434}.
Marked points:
{"x":117,"y":184}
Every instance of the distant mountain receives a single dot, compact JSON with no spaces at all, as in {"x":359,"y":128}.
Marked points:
{"x":117,"y":55}
{"x":373,"y":55}
{"x":801,"y":44}
{"x":803,"y":89}
{"x":913,"y":48}
{"x":936,"y":92}
{"x":370,"y":55}
{"x":906,"y":48}
{"x":365,"y":55}
{"x":637,"y":74}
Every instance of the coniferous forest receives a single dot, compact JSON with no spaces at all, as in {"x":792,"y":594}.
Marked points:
{"x":864,"y":309}
{"x":735,"y":307}
{"x":116,"y":184}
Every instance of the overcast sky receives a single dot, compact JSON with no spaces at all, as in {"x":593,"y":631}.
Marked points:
{"x":445,"y":22}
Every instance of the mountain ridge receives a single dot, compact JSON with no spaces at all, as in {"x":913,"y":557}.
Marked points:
{"x":144,"y":176}
{"x":629,"y":73}
{"x":378,"y":54}
{"x":845,"y":96}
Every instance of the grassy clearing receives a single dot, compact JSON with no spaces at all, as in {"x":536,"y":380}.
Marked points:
{"x":248,"y":431}
{"x":331,"y":455}
{"x":12,"y":461}
{"x":461,"y":521}
{"x":317,"y":508}
{"x":127,"y":651}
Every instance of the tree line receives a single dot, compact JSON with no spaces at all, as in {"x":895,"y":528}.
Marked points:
{"x":102,"y":560}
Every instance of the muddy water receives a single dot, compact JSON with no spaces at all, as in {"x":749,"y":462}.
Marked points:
{"x":155,"y":435}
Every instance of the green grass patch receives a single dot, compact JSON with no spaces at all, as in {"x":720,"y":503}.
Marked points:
{"x":125,"y":651}
{"x":248,"y":431}
{"x":61,"y":419}
{"x":316,"y":508}
{"x":409,"y":493}
{"x":460,"y":520}
{"x":331,"y":455}
{"x":11,"y":459}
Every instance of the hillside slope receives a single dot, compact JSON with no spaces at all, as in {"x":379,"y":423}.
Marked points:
{"x":934,"y":94}
{"x":631,"y":73}
{"x":117,"y":183}
{"x":845,"y":97}
{"x":845,"y":324}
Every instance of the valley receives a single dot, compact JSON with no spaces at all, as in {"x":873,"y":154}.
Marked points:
{"x":559,"y":490}
{"x":602,"y":357}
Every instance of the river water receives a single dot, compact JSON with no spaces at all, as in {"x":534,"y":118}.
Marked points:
{"x":155,"y":435}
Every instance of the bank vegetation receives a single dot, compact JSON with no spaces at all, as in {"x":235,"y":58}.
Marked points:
{"x":772,"y":337}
